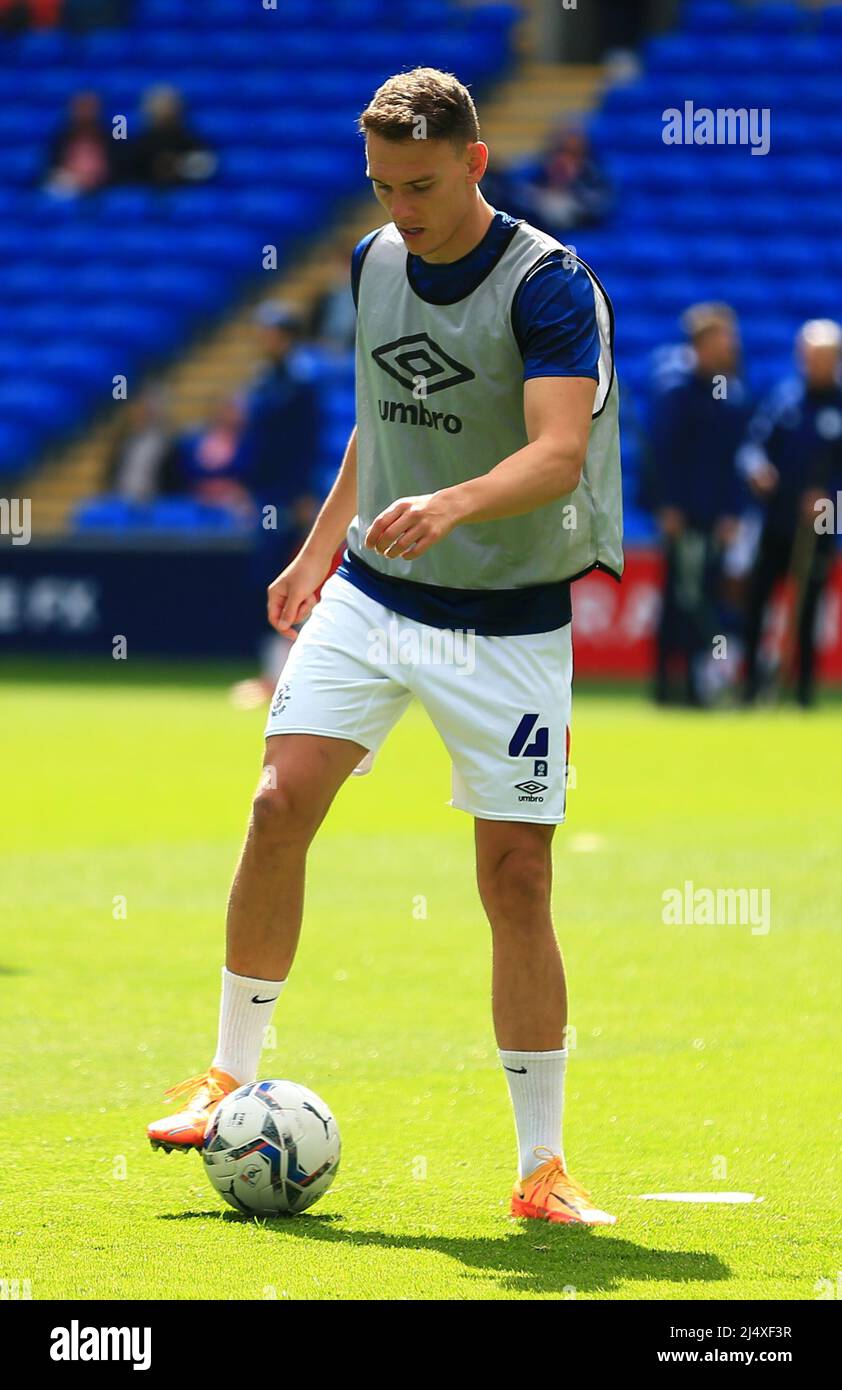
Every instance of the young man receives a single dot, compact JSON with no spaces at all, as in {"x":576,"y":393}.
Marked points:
{"x":483,"y":475}
{"x":792,"y":459}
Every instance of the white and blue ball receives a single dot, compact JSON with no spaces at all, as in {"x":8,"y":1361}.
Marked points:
{"x":272,"y":1147}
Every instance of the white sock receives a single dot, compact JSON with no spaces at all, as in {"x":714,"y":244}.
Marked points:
{"x":536,"y":1086}
{"x":245,"y":1010}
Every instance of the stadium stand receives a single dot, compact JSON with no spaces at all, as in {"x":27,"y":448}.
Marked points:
{"x":123,"y":280}
{"x":130,"y":277}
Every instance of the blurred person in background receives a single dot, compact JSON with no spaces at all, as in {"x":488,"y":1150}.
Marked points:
{"x":282,"y":444}
{"x":697,"y":428}
{"x":214,"y":460}
{"x":792,"y":459}
{"x":167,"y":152}
{"x":567,"y":188}
{"x":623,"y":25}
{"x":333,"y":322}
{"x":82,"y":155}
{"x":18,"y":15}
{"x":144,"y":460}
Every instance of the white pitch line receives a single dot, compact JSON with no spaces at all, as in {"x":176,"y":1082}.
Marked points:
{"x":720,"y":1198}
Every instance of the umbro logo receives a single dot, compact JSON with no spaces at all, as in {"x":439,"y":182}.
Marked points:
{"x":531,"y":787}
{"x":419,"y":356}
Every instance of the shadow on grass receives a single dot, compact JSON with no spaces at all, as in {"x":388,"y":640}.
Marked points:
{"x":532,"y":1259}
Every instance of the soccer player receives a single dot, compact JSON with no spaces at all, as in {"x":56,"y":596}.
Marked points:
{"x":696,"y":432}
{"x":482,"y":477}
{"x":793,"y":458}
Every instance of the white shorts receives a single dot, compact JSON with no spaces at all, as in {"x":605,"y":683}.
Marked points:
{"x":500,"y":704}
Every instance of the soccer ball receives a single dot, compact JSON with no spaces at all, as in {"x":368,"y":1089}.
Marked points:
{"x":272,"y":1147}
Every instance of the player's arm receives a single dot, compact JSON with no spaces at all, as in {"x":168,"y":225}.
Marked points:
{"x":292,"y":596}
{"x":557,"y":413}
{"x":753,"y":462}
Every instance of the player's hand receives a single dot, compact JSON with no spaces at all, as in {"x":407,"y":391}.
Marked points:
{"x":763,"y":479}
{"x":411,"y":525}
{"x":292,"y":596}
{"x":727,"y":529}
{"x":809,"y":502}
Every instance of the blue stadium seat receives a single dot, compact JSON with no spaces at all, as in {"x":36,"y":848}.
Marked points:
{"x":107,"y":514}
{"x":703,"y":17}
{"x":278,"y":211}
{"x":37,"y":49}
{"x":192,"y":287}
{"x":128,"y":325}
{"x":26,"y":397}
{"x":185,"y":514}
{"x":91,"y":370}
{"x":178,"y":13}
{"x":25,"y":280}
{"x":105,"y":47}
{"x":26,"y":122}
{"x":126,"y":203}
{"x":19,"y":440}
{"x":22,"y":163}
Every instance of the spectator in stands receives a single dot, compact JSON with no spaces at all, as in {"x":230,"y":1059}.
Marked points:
{"x":144,"y":459}
{"x":81,"y":157}
{"x":167,"y":152}
{"x":17,"y":15}
{"x":792,"y":459}
{"x":283,"y":415}
{"x":333,"y":322}
{"x":567,"y":188}
{"x":214,"y":460}
{"x":697,"y":429}
{"x":282,"y":438}
{"x":623,"y":24}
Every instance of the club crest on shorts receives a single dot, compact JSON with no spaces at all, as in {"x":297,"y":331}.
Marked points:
{"x":281,"y":698}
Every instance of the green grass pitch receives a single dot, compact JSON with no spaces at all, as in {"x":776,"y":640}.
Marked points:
{"x":703,"y":1059}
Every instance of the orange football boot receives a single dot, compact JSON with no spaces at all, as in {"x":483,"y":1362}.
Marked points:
{"x":550,"y":1194}
{"x":186,"y":1129}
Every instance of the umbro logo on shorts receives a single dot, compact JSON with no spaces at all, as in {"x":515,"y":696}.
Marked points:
{"x":418,"y":355}
{"x":531,"y":787}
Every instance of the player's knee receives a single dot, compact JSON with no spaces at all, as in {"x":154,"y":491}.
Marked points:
{"x":282,"y":812}
{"x":515,"y":883}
